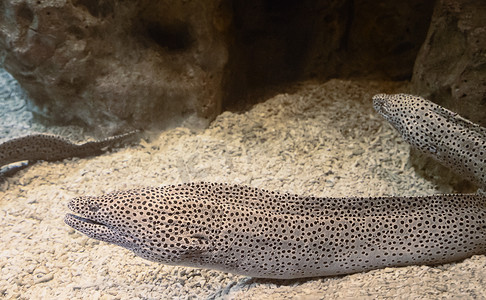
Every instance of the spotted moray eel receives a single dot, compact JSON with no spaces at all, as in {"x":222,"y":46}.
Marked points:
{"x":259,"y":233}
{"x":265,"y":234}
{"x":50,"y":148}
{"x":446,"y":136}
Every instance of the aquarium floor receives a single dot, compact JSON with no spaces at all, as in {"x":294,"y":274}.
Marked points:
{"x":320,"y":139}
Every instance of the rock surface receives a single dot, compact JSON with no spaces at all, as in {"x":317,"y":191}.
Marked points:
{"x":114,"y":64}
{"x":110,"y":64}
{"x":451,"y":66}
{"x":451,"y":70}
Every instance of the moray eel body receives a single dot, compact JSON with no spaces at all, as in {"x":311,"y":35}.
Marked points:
{"x":259,"y":233}
{"x":50,"y":148}
{"x":449,"y":138}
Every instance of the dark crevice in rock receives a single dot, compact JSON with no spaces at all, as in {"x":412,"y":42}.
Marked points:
{"x":25,"y":15}
{"x":97,"y":8}
{"x":276,"y":43}
{"x":76,"y":32}
{"x":173,"y":37}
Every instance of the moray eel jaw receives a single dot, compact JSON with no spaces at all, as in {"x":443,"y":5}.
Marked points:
{"x":95,"y":230}
{"x":389,"y":106}
{"x":381,"y":105}
{"x":124,"y":219}
{"x":91,"y":224}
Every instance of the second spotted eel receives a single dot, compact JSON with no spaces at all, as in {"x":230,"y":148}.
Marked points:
{"x":446,"y":136}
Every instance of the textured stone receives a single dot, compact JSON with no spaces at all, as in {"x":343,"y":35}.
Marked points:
{"x":450,"y":70}
{"x":113,"y":63}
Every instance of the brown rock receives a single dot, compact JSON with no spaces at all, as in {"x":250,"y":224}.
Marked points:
{"x":113,"y":63}
{"x":451,"y":66}
{"x":451,"y":71}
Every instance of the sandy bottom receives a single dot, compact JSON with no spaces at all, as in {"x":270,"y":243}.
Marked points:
{"x":322,"y":139}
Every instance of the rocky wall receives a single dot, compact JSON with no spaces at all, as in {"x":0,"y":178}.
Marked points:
{"x":115,"y":64}
{"x":450,"y":70}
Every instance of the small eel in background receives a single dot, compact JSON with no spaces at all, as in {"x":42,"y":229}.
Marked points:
{"x":451,"y":139}
{"x":51,"y":147}
{"x":265,"y":234}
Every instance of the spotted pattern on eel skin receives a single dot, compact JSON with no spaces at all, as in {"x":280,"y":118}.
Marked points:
{"x":449,"y":138}
{"x":259,"y":233}
{"x":50,"y":148}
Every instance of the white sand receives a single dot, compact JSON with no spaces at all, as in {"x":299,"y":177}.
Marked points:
{"x":323,"y":139}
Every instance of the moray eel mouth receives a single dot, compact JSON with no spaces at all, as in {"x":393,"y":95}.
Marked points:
{"x":75,"y":221}
{"x":88,"y":218}
{"x":380,"y":104}
{"x":88,"y":226}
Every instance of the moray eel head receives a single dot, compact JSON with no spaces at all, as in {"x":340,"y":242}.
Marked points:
{"x":150,"y":222}
{"x":397,"y":109}
{"x":413,"y":117}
